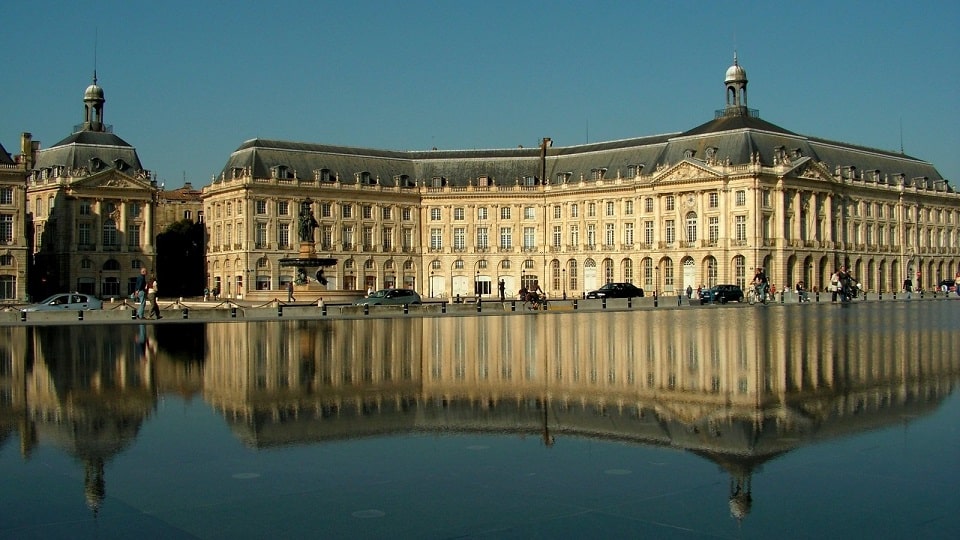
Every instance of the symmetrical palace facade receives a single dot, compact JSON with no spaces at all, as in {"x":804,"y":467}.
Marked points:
{"x":692,"y":208}
{"x":700,"y":207}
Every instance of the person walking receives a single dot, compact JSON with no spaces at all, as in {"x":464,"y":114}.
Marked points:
{"x":501,"y":288}
{"x":290,"y":297}
{"x":152,"y":297}
{"x":141,"y":290}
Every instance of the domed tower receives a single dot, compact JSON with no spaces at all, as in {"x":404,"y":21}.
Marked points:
{"x":93,"y":106}
{"x":736,"y":83}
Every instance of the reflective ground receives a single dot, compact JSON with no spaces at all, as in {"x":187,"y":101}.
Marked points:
{"x":819,"y":421}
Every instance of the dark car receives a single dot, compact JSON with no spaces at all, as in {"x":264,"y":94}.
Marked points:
{"x":721,"y":294}
{"x":385,"y":297}
{"x":617,"y":290}
{"x":949,"y":285}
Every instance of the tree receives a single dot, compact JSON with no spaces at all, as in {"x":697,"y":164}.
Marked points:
{"x":181,"y":267}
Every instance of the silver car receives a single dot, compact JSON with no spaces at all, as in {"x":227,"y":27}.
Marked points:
{"x":385,"y":297}
{"x":66,"y":301}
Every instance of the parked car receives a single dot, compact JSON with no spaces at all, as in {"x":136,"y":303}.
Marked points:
{"x":721,"y":294}
{"x":950,"y":284}
{"x":617,"y":290}
{"x":66,"y":301}
{"x":385,"y":297}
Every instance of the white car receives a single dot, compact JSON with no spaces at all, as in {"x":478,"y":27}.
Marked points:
{"x":66,"y":302}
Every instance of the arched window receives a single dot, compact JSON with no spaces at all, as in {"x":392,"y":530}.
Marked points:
{"x":646,"y":266}
{"x":740,"y":270}
{"x":572,"y":270}
{"x":607,"y":271}
{"x":628,"y":270}
{"x":111,"y":265}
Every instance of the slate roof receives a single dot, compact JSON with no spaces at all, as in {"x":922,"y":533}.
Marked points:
{"x":5,"y":158}
{"x":81,"y":148}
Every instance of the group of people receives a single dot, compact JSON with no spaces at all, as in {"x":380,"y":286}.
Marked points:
{"x":146,"y":291}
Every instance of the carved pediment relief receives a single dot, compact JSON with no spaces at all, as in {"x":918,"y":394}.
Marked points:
{"x":111,"y":180}
{"x":684,"y":171}
{"x":811,"y":170}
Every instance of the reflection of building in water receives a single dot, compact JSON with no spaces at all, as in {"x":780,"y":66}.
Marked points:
{"x":83,"y":391}
{"x":739,"y":392}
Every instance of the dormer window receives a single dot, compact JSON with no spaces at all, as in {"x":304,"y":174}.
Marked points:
{"x":280,"y":171}
{"x":120,"y":165}
{"x":437,"y":182}
{"x":529,"y":181}
{"x":597,"y":174}
{"x":322,"y":175}
{"x":689,"y":153}
{"x":484,"y":181}
{"x":564,"y":177}
{"x":237,"y":172}
{"x":96,"y":164}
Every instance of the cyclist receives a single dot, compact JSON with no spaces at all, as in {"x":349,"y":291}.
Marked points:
{"x":761,"y":287}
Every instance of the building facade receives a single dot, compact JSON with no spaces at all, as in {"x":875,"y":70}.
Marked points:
{"x":14,"y":249}
{"x":694,"y":208}
{"x":92,"y":207}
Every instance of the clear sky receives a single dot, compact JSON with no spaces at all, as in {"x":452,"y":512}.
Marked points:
{"x":187,"y":81}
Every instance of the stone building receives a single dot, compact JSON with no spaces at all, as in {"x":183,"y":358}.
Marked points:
{"x":92,"y":205}
{"x":14,"y":249}
{"x":699,"y":207}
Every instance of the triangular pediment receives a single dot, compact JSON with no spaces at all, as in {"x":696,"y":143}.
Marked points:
{"x":111,"y":180}
{"x":809,"y":169}
{"x":684,"y":171}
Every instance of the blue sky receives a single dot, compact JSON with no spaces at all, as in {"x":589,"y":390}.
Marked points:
{"x":187,"y":82}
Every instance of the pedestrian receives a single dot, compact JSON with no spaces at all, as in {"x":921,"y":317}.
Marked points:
{"x":834,"y":285}
{"x":290,"y":297}
{"x":141,"y":290}
{"x":908,"y":287}
{"x":501,"y":288}
{"x":369,"y":290}
{"x":689,"y":291}
{"x":206,"y":293}
{"x":216,"y":292}
{"x":152,"y":292}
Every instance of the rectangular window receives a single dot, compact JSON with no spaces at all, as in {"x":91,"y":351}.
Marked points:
{"x":326,"y":238}
{"x":574,"y":210}
{"x":609,"y":208}
{"x":648,"y":205}
{"x":628,"y":234}
{"x":459,"y":238}
{"x":482,"y":213}
{"x":368,"y":238}
{"x":504,"y":212}
{"x":406,"y":214}
{"x":367,"y":211}
{"x":346,"y":211}
{"x":436,"y":239}
{"x":648,"y":232}
{"x":670,"y":203}
{"x":6,"y":228}
{"x":713,"y":229}
{"x":260,"y":235}
{"x":407,"y":239}
{"x":529,"y":238}
{"x":557,"y":236}
{"x":325,"y":210}
{"x":608,"y":235}
{"x":458,"y":214}
{"x":628,"y":207}
{"x":528,"y":212}
{"x":283,"y":208}
{"x":740,"y":227}
{"x":283,"y":235}
{"x":261,"y":207}
{"x":741,"y":198}
{"x":483,"y":239}
{"x":434,"y":214}
{"x":83,"y":235}
{"x":506,"y":238}
{"x":386,"y":212}
{"x":591,"y":209}
{"x":387,"y":239}
{"x":670,"y":231}
{"x":556,"y":212}
{"x":133,"y":235}
{"x":347,"y":238}
{"x":714,"y":200}
{"x":84,"y":207}
{"x":574,"y":235}
{"x":592,"y":235}
{"x":6,"y":195}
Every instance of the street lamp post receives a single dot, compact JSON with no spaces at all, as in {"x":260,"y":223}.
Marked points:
{"x":431,"y":284}
{"x":563,"y":273}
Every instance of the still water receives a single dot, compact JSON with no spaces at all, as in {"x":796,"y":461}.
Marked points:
{"x":817,"y":421}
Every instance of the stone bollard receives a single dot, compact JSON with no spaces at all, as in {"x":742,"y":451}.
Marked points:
{"x":279,"y":310}
{"x":233,"y":312}
{"x":629,"y":302}
{"x":406,"y":309}
{"x":366,"y":309}
{"x":603,"y":303}
{"x":80,"y":315}
{"x":655,"y":300}
{"x":575,"y":304}
{"x":479,"y":305}
{"x":513,"y":305}
{"x":184,"y":312}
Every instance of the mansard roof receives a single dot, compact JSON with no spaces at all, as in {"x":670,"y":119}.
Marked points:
{"x":90,"y":150}
{"x":736,"y":135}
{"x":5,"y":158}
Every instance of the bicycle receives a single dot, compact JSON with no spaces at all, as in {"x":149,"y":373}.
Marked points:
{"x":535,"y":302}
{"x":758,"y":292}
